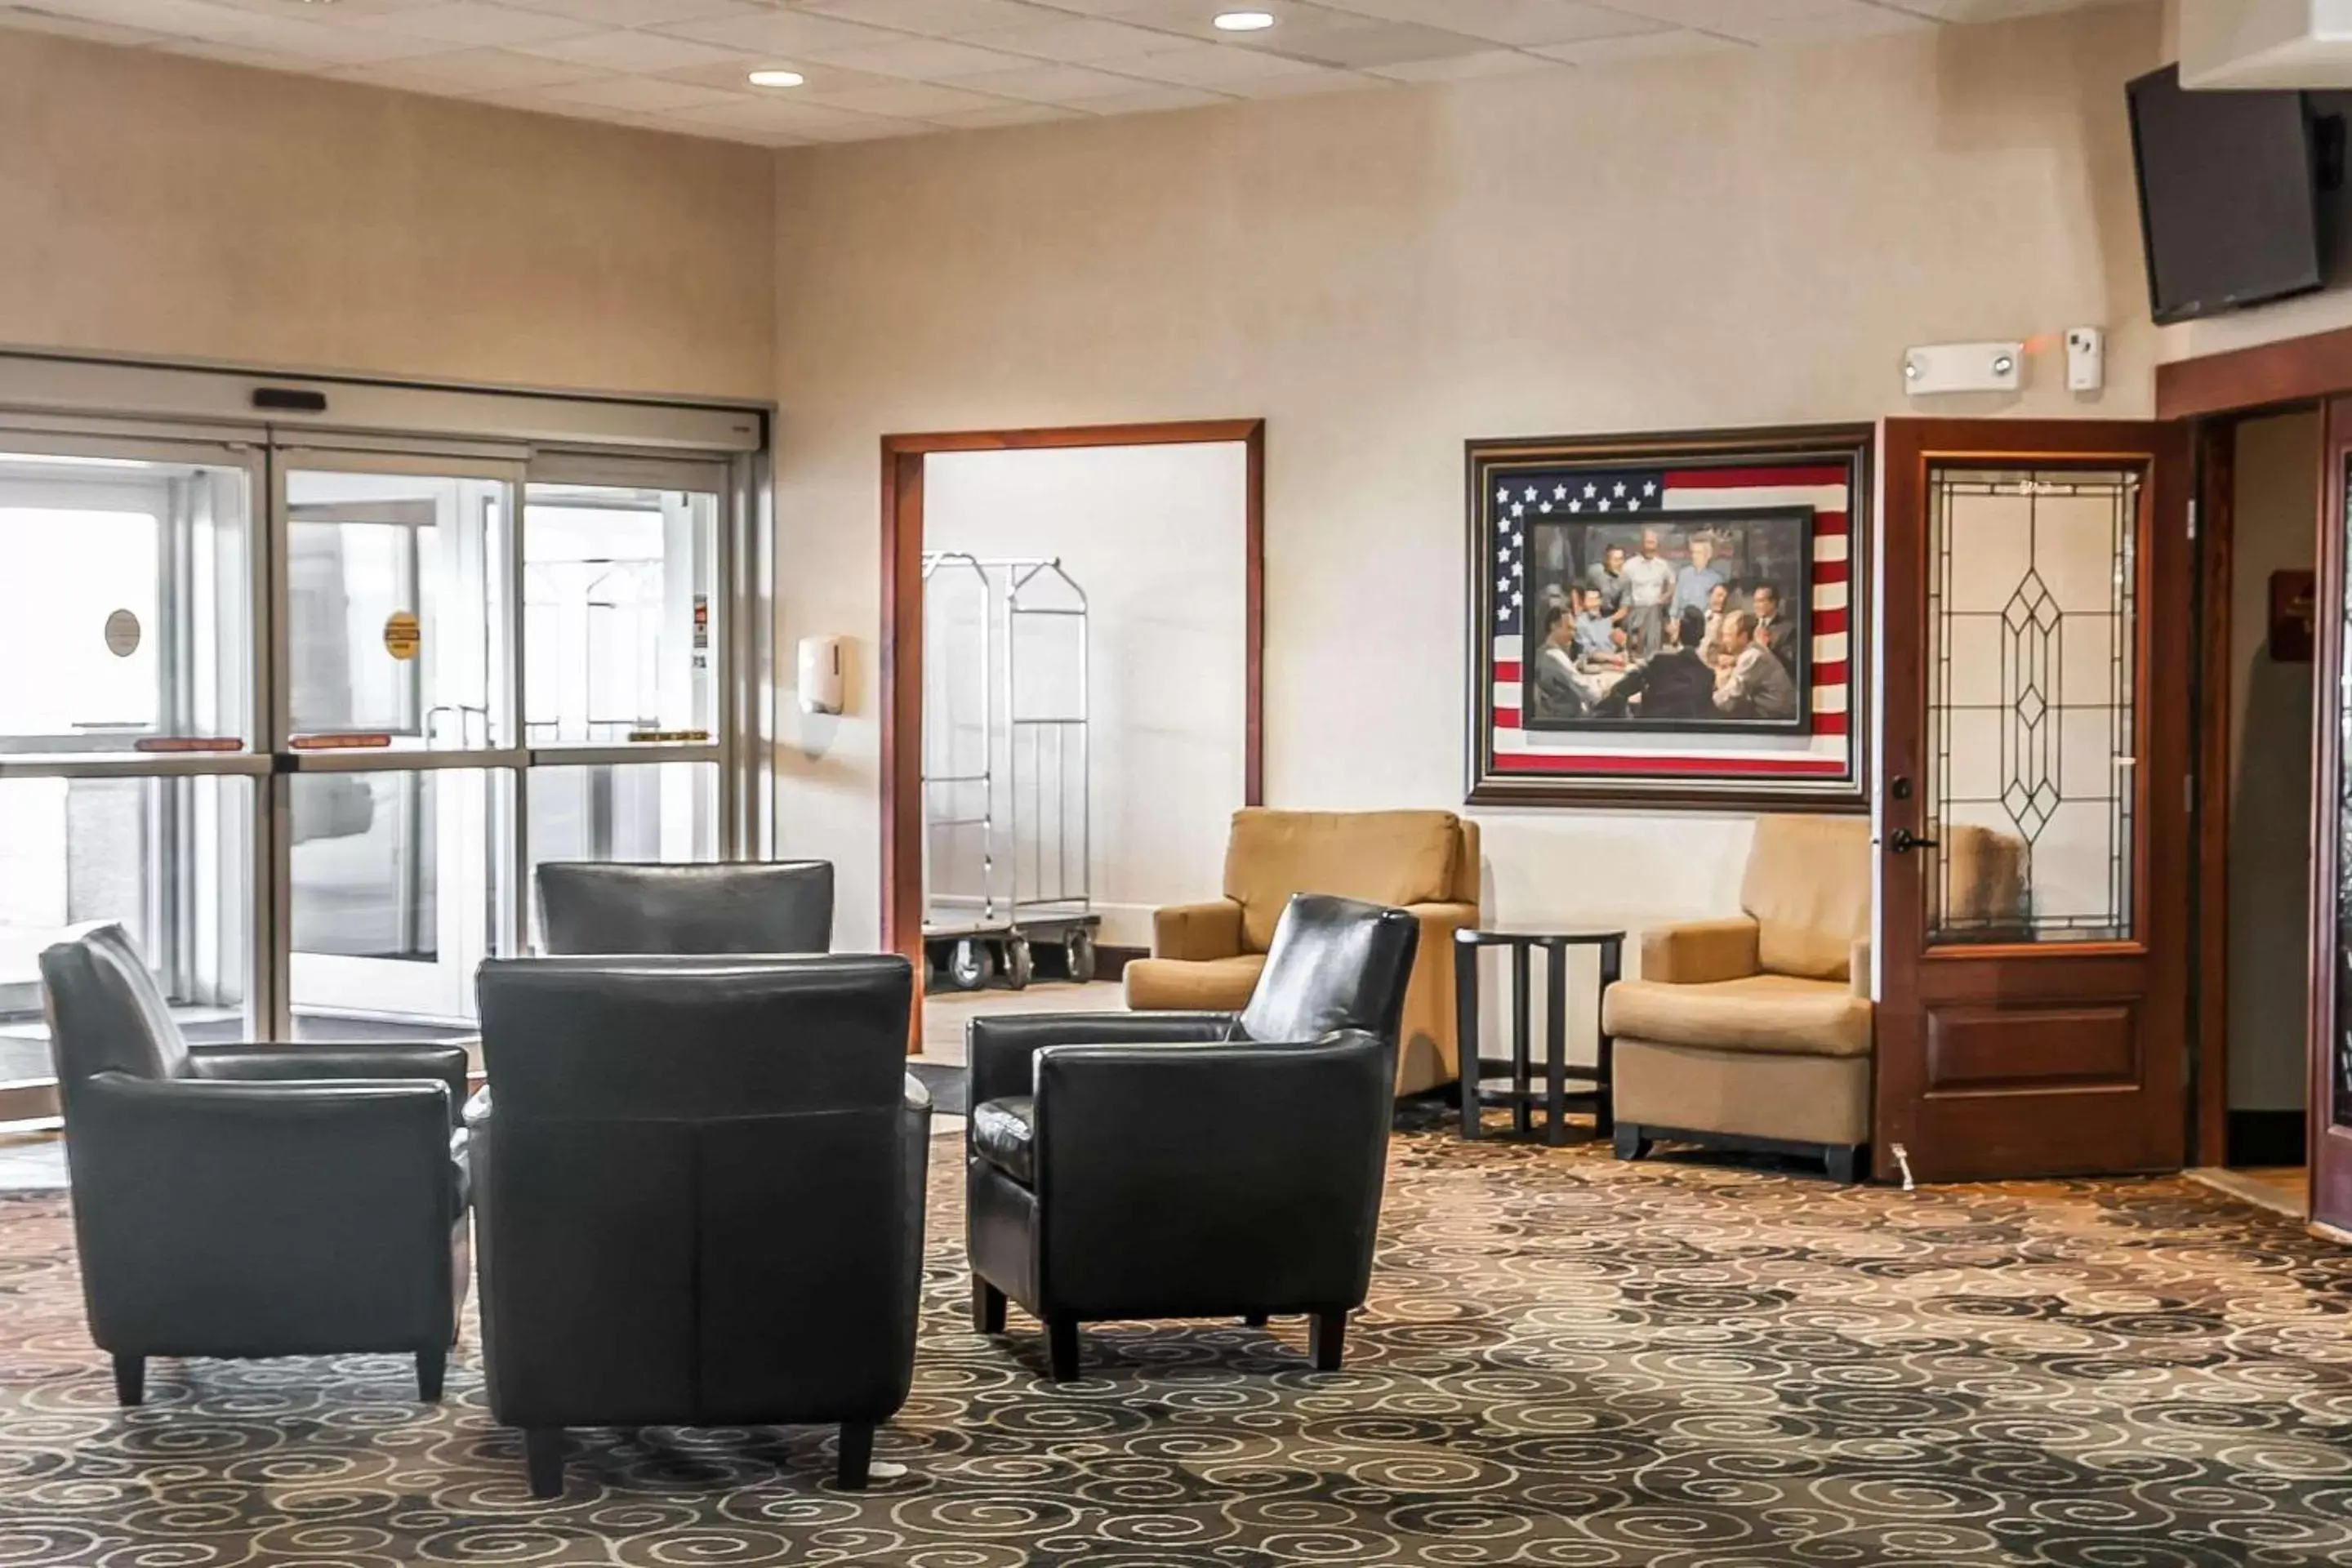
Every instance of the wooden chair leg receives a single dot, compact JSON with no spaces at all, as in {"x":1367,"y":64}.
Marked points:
{"x":855,"y":1457}
{"x":1062,"y":1348}
{"x":131,"y":1379}
{"x":1327,"y":1339}
{"x":1628,"y":1142}
{"x":1255,"y":1319}
{"x":432,"y":1368}
{"x":987,"y":1307}
{"x":542,"y":1457}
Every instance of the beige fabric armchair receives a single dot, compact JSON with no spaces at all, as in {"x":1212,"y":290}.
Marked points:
{"x":1208,"y":956}
{"x":1756,"y":1031}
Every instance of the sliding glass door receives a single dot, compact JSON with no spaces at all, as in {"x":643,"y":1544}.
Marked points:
{"x":304,"y":719}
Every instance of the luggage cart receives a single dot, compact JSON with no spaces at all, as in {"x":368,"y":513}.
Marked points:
{"x":1007,"y":772}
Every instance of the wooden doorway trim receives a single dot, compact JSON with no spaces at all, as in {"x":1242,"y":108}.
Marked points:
{"x":902,"y":626}
{"x":2217,"y":532}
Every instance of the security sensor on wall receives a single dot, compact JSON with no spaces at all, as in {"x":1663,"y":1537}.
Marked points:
{"x":2086,"y":359}
{"x":1963,"y":367}
{"x":821,"y":682}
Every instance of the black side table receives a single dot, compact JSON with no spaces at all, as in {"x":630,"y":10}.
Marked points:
{"x":1477,"y":1087}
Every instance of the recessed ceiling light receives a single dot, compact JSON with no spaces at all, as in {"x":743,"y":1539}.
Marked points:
{"x":777,"y":79}
{"x":1245,"y":21}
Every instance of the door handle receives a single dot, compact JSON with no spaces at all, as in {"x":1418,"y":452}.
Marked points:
{"x":1901,"y":841}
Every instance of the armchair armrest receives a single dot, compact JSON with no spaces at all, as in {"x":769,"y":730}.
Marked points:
{"x":185,"y":1180}
{"x":1252,"y":1163}
{"x":309,"y":1062}
{"x":1697,"y":952}
{"x":998,"y":1050}
{"x":1197,"y":932}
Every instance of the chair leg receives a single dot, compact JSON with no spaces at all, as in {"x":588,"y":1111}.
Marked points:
{"x":1628,"y":1141}
{"x":1327,"y":1339}
{"x":855,"y":1457}
{"x":432,"y":1366}
{"x":542,"y":1457}
{"x":1844,"y":1163}
{"x":131,"y":1379}
{"x":987,"y":1307}
{"x":1062,"y":1348}
{"x":1255,"y":1319}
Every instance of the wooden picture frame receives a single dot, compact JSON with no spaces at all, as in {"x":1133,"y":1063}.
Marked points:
{"x":1523,"y":563}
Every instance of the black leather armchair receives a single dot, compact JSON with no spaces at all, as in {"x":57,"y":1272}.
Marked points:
{"x":252,"y":1200}
{"x":610,"y":907}
{"x":699,"y":1196}
{"x":1195,"y":1164}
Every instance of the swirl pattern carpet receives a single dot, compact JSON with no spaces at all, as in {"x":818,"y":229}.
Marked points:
{"x":1567,"y":1361}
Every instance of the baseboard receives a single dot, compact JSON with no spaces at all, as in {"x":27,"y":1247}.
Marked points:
{"x":2264,"y":1138}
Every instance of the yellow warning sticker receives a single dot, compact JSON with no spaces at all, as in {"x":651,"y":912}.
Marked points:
{"x":402,"y":634}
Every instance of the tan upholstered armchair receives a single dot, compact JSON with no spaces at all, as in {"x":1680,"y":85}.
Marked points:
{"x":1208,"y":956}
{"x":1756,"y":1031}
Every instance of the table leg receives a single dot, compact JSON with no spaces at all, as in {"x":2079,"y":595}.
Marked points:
{"x":1522,"y":1043}
{"x":1556,"y":1041}
{"x":1466,"y":1031}
{"x":1604,"y":1090}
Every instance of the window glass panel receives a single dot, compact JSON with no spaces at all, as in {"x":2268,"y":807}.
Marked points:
{"x":618,"y":601}
{"x":639,"y":812}
{"x":2032,"y":685}
{"x":393,"y":608}
{"x":168,"y":859}
{"x":127,"y":584}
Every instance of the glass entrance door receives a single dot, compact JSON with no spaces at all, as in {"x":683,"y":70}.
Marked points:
{"x":398,"y":745}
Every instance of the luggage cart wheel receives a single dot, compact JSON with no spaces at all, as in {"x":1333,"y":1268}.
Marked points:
{"x":970,"y":964}
{"x":1079,"y":947}
{"x":1020,"y":963}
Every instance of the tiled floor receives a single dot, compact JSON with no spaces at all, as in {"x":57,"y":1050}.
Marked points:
{"x":37,"y":1162}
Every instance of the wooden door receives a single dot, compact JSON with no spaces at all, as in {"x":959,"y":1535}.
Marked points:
{"x":2035,"y":820}
{"x":2330,"y":1105}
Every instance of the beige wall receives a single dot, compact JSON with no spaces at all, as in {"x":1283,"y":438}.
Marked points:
{"x":1730,"y":240}
{"x":165,"y":207}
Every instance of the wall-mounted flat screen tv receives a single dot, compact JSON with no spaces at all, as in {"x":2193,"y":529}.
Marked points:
{"x":2229,"y":197}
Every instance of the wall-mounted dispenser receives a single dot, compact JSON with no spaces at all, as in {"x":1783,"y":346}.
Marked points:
{"x":821,"y":682}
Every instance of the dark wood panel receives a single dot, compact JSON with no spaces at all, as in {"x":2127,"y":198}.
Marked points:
{"x":2300,"y":370}
{"x":2330,"y":1142}
{"x":2217,"y":450}
{"x":1976,"y":1049}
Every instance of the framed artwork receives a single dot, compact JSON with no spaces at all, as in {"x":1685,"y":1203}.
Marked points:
{"x":1670,"y":620}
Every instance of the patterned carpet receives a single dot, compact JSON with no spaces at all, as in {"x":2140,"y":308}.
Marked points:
{"x":1566,"y":1361}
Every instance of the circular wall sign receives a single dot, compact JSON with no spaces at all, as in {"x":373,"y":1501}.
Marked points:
{"x":123,"y":634}
{"x":402,"y":634}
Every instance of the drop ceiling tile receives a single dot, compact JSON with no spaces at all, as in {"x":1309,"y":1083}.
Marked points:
{"x":474,"y":21}
{"x":1154,"y":101}
{"x":1074,"y":40}
{"x":1648,"y":46}
{"x":1466,"y":67}
{"x":641,"y":94}
{"x":639,"y":13}
{"x":732,"y":74}
{"x":789,"y":34}
{"x":1051,"y":84}
{"x":918,"y":60}
{"x":234,"y":54}
{"x":1196,"y":19}
{"x":1734,"y":18}
{"x":1355,"y":42}
{"x":179,"y":18}
{"x":1002,"y":115}
{"x":1828,"y":27}
{"x":87,"y":27}
{"x":1313,"y":82}
{"x":642,"y":54}
{"x":321,"y":44}
{"x":908,"y":100}
{"x":470,"y":71}
{"x":932,"y":19}
{"x":745,"y":112}
{"x":1212,"y":64}
{"x":345,"y":10}
{"x":1520,"y":22}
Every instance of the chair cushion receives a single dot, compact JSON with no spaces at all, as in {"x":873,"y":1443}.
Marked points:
{"x":1808,"y":886}
{"x":1393,"y":858}
{"x":1005,"y":1133}
{"x":1203,"y":985}
{"x":1761,"y":1013}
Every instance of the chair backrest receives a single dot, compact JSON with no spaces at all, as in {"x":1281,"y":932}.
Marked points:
{"x":1381,"y":857}
{"x":1335,"y":964}
{"x":607,"y":907}
{"x":106,"y":1013}
{"x":695,"y":1200}
{"x":1808,"y":889}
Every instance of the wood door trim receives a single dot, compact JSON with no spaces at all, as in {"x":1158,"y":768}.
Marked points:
{"x":2217,"y":529}
{"x":902,"y":626}
{"x":2322,"y":1197}
{"x":2298,"y":370}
